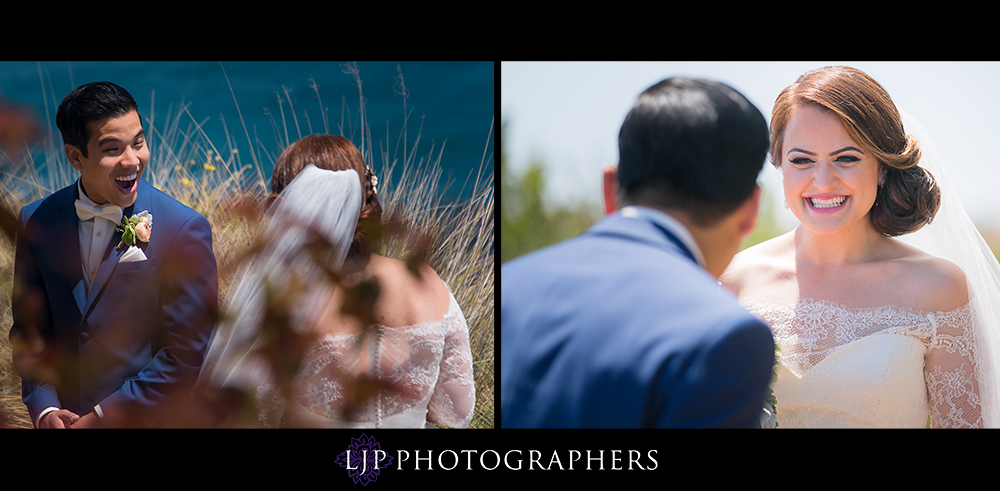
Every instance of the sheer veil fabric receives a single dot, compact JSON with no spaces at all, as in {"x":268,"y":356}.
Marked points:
{"x":317,"y":201}
{"x":953,"y":236}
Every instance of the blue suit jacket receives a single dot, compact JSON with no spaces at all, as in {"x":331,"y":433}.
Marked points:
{"x":144,"y":327}
{"x":621,"y":328}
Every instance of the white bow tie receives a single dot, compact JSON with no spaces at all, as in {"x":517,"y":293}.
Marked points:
{"x":109,"y":212}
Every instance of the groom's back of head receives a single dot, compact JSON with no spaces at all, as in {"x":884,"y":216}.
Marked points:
{"x":88,"y":103}
{"x":691,"y":145}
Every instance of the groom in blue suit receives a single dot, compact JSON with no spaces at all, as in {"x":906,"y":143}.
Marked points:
{"x":110,"y":328}
{"x":626,"y":326}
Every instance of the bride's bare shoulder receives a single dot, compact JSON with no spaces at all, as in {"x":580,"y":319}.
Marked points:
{"x":759,"y":261}
{"x":936,"y":284}
{"x":406,"y":296}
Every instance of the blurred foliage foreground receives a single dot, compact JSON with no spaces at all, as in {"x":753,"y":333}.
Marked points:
{"x":456,"y":239}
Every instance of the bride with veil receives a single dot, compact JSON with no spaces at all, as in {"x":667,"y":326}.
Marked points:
{"x":885,"y":301}
{"x":324,"y":333}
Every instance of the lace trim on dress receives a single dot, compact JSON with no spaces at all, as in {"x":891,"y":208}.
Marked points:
{"x":429,"y":364}
{"x":811,"y":330}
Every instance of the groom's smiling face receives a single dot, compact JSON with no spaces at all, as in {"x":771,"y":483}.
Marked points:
{"x":115,"y":158}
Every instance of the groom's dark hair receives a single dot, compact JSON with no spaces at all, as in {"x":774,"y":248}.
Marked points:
{"x":692,"y":145}
{"x":94,"y":101}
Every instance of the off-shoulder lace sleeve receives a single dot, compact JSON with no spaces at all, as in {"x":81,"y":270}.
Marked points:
{"x":951,"y":371}
{"x":454,"y":395}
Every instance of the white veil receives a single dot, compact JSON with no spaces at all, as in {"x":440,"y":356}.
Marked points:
{"x":953,"y":236}
{"x":317,"y":201}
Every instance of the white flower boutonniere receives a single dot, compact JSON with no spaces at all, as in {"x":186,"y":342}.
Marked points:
{"x":139,"y":227}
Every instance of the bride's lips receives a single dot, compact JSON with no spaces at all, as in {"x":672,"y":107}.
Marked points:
{"x":826,"y":203}
{"x":128,"y":183}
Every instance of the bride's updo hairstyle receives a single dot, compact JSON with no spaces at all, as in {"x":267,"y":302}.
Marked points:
{"x":331,"y":152}
{"x":909,"y":197}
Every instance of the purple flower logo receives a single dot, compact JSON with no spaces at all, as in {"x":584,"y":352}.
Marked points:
{"x":363,"y":459}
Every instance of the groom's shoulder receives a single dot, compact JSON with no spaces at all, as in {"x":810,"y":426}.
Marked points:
{"x":614,"y":247}
{"x":610,"y":238}
{"x":48,"y":204}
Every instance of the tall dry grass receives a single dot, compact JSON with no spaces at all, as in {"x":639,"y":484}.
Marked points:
{"x":227,"y":184}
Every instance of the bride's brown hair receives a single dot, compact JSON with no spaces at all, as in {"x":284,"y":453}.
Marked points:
{"x":331,"y":152}
{"x":909,"y":197}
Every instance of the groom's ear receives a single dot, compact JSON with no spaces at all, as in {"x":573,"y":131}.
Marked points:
{"x":610,"y":189}
{"x":74,"y":155}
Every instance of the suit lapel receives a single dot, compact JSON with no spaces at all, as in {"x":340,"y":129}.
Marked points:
{"x":669,"y":234}
{"x":113,"y":253}
{"x":69,"y":241}
{"x":108,"y":265}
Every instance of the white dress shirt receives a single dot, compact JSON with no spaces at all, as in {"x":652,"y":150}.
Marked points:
{"x":95,"y":234}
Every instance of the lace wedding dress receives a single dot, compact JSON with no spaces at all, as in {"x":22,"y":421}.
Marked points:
{"x":429,"y":366}
{"x":891,"y":366}
{"x":882,"y":367}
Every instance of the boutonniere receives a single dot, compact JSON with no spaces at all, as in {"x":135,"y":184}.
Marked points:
{"x":139,"y":227}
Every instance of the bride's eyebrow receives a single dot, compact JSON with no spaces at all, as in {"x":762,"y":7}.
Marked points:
{"x":807,"y":152}
{"x":847,"y":149}
{"x":797,"y":149}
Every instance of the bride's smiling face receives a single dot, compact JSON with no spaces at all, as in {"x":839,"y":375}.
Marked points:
{"x":830,"y":180}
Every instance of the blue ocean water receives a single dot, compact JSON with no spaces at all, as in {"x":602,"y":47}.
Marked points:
{"x":450,"y":101}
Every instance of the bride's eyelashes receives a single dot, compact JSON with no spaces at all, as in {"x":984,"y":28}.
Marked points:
{"x":843,"y":160}
{"x":847,"y":160}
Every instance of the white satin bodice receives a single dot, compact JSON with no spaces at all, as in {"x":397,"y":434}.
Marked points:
{"x":428,"y":365}
{"x":881,"y":367}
